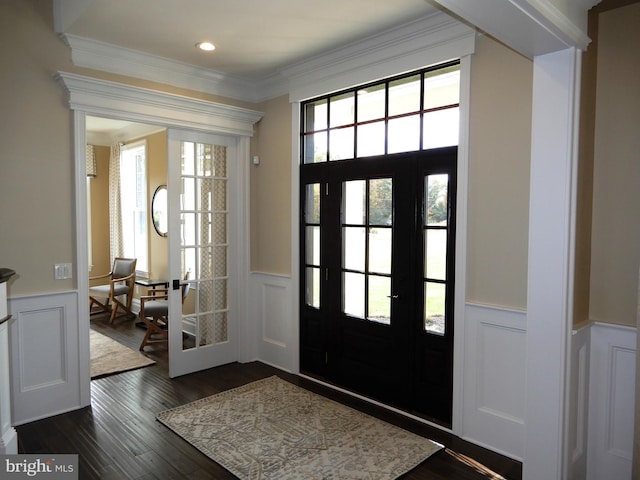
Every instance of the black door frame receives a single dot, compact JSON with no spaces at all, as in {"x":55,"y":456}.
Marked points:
{"x":415,"y":387}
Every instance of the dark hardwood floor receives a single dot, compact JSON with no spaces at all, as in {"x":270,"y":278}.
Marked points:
{"x":117,"y":437}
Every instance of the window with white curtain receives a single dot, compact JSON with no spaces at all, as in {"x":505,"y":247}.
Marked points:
{"x":133,"y":204}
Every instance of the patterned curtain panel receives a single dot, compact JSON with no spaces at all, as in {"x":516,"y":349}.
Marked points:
{"x":212,"y":263}
{"x":115,"y":217}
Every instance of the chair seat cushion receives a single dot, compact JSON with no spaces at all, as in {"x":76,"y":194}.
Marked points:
{"x":156,"y":308}
{"x":103,"y":290}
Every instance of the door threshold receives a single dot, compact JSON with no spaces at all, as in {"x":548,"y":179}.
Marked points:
{"x":377,"y":403}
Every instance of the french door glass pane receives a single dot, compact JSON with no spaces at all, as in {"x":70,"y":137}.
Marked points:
{"x":379,"y":299}
{"x":434,"y":303}
{"x":204,"y":243}
{"x":354,"y":300}
{"x":187,"y":198}
{"x":404,"y":134}
{"x":371,"y":139}
{"x":220,"y":261}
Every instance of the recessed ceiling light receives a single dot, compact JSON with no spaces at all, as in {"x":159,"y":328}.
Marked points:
{"x":205,"y":46}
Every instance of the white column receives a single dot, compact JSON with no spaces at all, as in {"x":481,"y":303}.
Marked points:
{"x":8,"y":436}
{"x":551,"y":248}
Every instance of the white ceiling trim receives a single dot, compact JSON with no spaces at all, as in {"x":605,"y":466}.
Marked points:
{"x":124,"y":102}
{"x":404,"y":48}
{"x":102,"y":56}
{"x":426,"y":41}
{"x":135,"y":130}
{"x":531,"y":27}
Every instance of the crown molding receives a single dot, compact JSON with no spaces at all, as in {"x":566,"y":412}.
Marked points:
{"x":425,"y":41}
{"x":531,"y":27}
{"x":102,"y":56}
{"x":405,"y":48}
{"x":125,"y":102}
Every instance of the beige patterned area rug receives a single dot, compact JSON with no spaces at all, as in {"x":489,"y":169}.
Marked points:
{"x":272,"y":429}
{"x":109,"y":356}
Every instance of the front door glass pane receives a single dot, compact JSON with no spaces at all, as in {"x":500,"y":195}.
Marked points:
{"x":380,"y":250}
{"x":367,"y":210}
{"x":379,"y":299}
{"x":354,"y":298}
{"x":354,"y":203}
{"x":354,"y":248}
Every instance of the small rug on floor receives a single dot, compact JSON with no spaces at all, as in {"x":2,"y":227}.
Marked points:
{"x":109,"y":356}
{"x":272,"y":429}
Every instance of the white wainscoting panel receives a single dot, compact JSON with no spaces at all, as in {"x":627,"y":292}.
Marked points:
{"x":611,"y":401}
{"x":277,"y":342}
{"x":579,"y":403}
{"x":45,"y":373}
{"x":494,"y":378}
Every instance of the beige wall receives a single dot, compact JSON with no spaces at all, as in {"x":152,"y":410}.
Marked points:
{"x":36,"y":157}
{"x":36,"y":169}
{"x":36,"y":181}
{"x":99,"y":204}
{"x":500,"y":152}
{"x":271,"y":190}
{"x":157,"y":175}
{"x":615,"y":254}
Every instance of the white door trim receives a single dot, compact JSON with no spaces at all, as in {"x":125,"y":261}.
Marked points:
{"x":91,"y":96}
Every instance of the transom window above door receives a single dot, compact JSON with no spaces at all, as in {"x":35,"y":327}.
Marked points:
{"x":418,"y":111}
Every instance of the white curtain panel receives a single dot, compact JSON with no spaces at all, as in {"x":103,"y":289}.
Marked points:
{"x":115,"y":217}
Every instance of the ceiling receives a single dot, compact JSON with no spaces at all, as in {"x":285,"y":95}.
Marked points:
{"x":254,"y":39}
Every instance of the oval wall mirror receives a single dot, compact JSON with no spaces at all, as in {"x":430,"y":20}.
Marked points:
{"x":159,"y":210}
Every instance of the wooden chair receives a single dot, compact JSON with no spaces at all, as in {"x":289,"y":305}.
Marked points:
{"x":122,"y":278}
{"x":154,"y":312}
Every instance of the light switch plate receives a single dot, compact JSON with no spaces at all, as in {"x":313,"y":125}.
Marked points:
{"x":62,"y":271}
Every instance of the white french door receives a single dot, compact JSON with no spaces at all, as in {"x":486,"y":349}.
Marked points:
{"x":202,"y":180}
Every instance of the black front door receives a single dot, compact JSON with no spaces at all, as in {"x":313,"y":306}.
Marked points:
{"x":377,"y":267}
